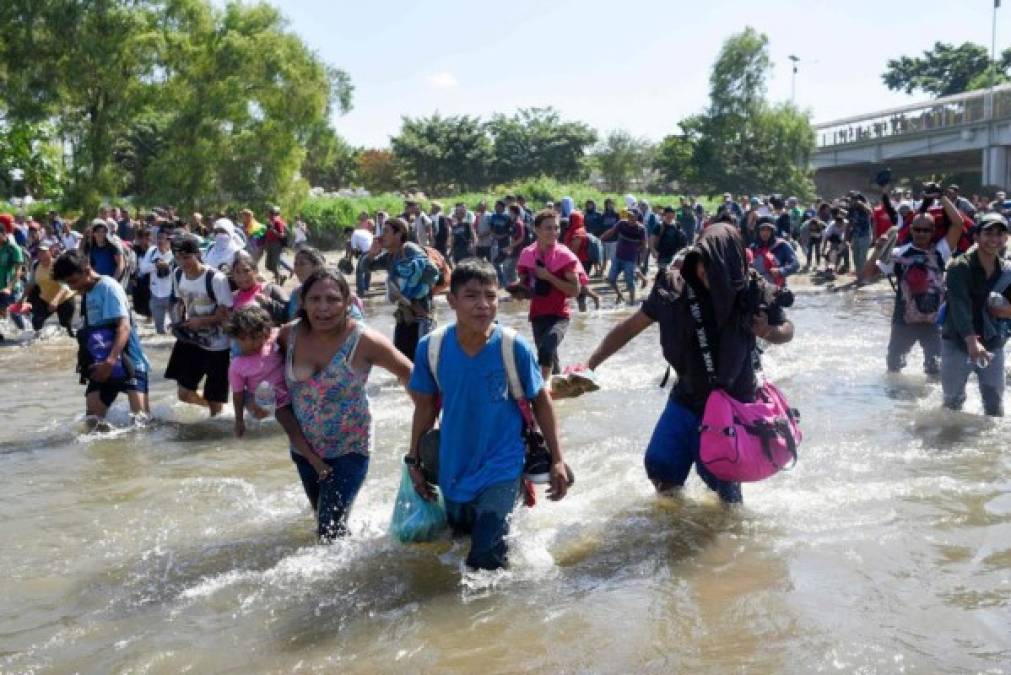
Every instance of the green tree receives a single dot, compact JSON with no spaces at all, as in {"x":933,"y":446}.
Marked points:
{"x":536,"y":142}
{"x":946,"y":69}
{"x":622,"y":158}
{"x":89,"y":65}
{"x":30,"y":150}
{"x":740,"y":142}
{"x":378,"y":170}
{"x":330,"y":162}
{"x":245,"y":94}
{"x":443,"y":153}
{"x":673,"y":159}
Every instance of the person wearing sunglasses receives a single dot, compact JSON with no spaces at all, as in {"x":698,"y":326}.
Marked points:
{"x":918,"y":272}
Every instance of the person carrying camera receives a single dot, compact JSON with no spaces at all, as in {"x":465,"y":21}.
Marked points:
{"x":741,"y":307}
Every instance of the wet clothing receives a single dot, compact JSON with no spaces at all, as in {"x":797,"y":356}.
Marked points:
{"x":486,"y":519}
{"x":104,"y":305}
{"x":331,"y":499}
{"x":955,"y":371}
{"x":904,"y":336}
{"x":247,"y":371}
{"x":332,"y":407}
{"x":480,"y":428}
{"x":190,"y":364}
{"x":730,"y":303}
{"x":674,"y":447}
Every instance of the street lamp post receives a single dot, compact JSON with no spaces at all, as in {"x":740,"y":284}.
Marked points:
{"x":990,"y":171}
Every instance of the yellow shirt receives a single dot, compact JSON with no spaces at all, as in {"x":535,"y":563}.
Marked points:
{"x":49,"y":289}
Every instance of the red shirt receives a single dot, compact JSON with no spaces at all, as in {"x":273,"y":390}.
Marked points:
{"x":882,"y":221}
{"x":941,"y":229}
{"x":277,"y":231}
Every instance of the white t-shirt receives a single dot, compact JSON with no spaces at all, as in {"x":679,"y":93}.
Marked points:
{"x":70,"y":240}
{"x":361,"y":240}
{"x":423,"y":230}
{"x":161,"y":287}
{"x":193,"y":294}
{"x":300,"y":234}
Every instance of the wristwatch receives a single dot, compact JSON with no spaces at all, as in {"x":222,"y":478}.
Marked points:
{"x":410,"y":460}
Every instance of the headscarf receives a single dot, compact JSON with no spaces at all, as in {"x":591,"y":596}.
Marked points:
{"x":630,"y":201}
{"x":722,"y":251}
{"x":566,"y":207}
{"x":218,"y":255}
{"x":577,"y":229}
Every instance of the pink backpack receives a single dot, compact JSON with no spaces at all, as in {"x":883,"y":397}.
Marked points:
{"x":743,"y":442}
{"x":746,"y":442}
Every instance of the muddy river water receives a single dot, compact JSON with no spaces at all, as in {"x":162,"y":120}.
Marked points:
{"x":177,"y":548}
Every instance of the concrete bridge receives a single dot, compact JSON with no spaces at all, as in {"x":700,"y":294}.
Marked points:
{"x":964,"y":133}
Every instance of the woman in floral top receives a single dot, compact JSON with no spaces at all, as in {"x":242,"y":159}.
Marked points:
{"x":329,"y":355}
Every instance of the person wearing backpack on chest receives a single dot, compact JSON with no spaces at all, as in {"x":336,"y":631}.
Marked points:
{"x":918,"y":268}
{"x":978,"y":293}
{"x":110,"y":358}
{"x":481,"y":451}
{"x":736,"y":308}
{"x":411,"y":281}
{"x":201,"y":351}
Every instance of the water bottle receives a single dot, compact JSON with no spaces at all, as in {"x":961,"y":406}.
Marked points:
{"x":265,"y":397}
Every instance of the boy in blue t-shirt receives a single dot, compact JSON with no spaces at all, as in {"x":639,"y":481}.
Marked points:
{"x":481,"y":452}
{"x":105,"y":305}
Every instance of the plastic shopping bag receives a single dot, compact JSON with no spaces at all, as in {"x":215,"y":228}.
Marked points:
{"x":414,"y":518}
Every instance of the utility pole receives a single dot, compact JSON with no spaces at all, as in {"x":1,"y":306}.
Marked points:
{"x":793,"y":78}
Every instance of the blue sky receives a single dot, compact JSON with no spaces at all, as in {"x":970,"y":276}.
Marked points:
{"x":634,"y":65}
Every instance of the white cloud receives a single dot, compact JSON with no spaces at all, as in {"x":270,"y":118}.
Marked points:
{"x":444,"y":80}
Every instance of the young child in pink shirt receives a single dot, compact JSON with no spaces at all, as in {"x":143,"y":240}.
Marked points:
{"x":259,"y":362}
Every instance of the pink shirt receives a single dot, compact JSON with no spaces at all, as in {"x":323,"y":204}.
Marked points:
{"x":247,"y":297}
{"x":559,"y":260}
{"x":246,"y":372}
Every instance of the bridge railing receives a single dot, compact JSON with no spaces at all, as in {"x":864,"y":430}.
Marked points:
{"x":942,"y":113}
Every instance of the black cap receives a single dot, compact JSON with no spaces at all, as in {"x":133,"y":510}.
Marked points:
{"x":186,"y":243}
{"x":669,"y":209}
{"x":766,"y":220}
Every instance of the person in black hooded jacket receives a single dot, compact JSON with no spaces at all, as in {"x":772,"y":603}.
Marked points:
{"x":741,"y":307}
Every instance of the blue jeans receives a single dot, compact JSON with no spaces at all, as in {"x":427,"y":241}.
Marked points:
{"x":332,"y":498}
{"x":363,"y":276}
{"x":486,"y":519}
{"x":673,"y":449}
{"x":626,"y":267}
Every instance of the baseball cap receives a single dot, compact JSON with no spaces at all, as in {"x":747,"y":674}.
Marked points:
{"x":993,"y":220}
{"x":766,"y":221}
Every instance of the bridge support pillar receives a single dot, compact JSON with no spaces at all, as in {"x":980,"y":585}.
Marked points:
{"x":832,"y":183}
{"x":995,"y":167}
